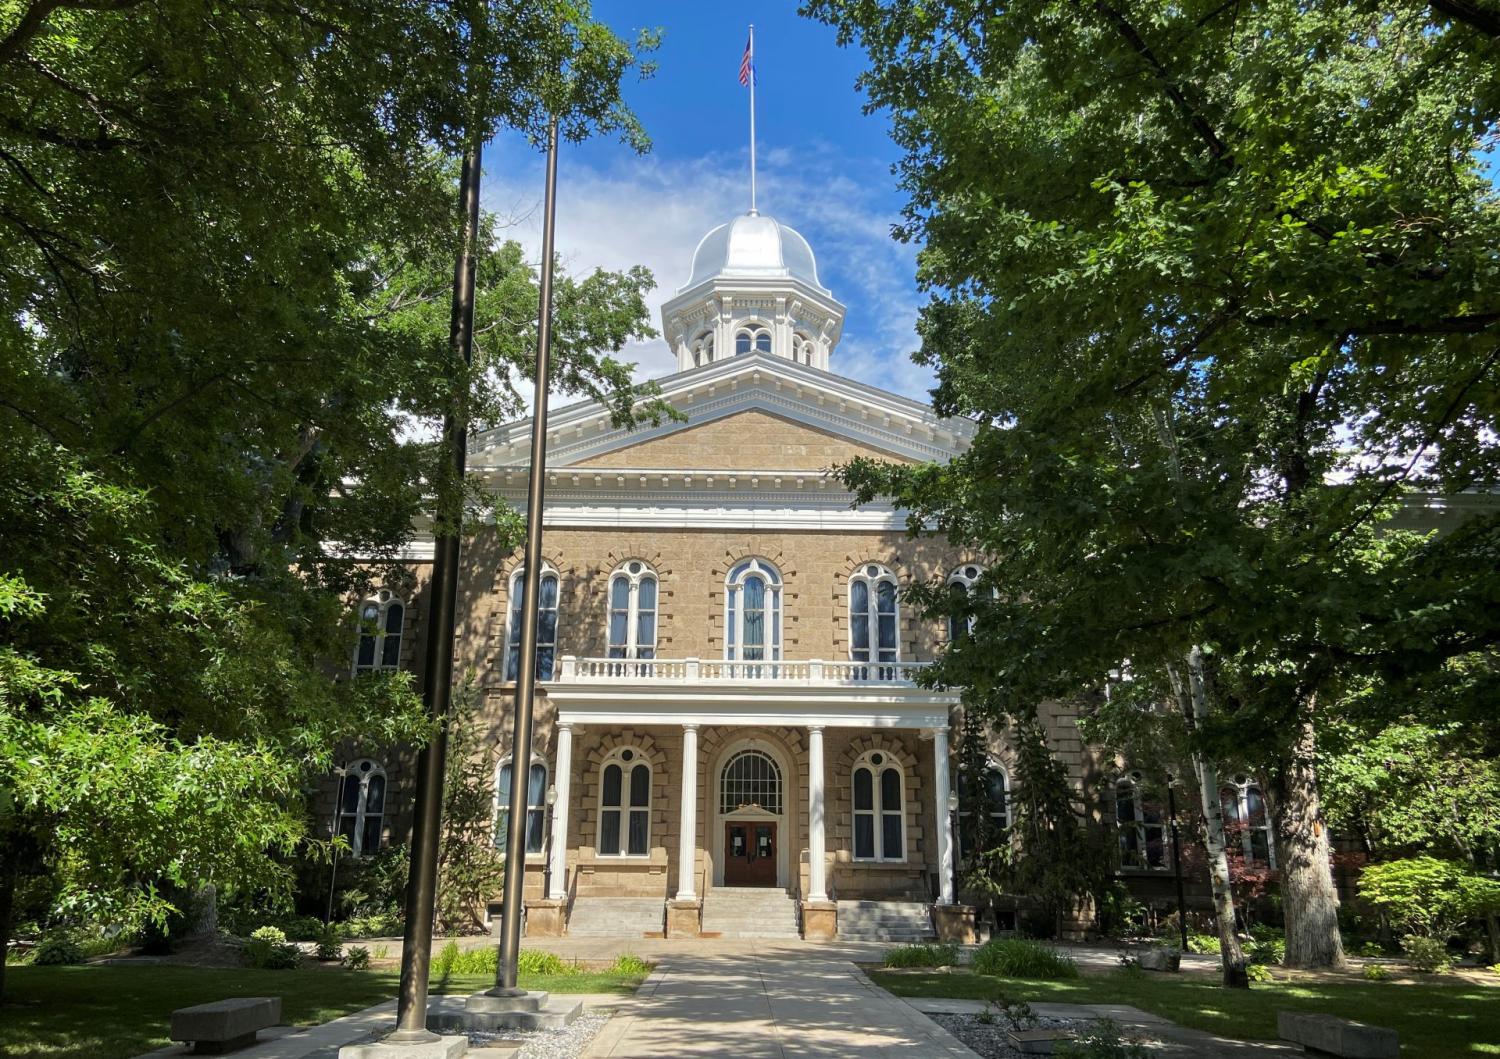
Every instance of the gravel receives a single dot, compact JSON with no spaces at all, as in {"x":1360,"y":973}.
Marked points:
{"x":989,"y":1040}
{"x":566,"y":1043}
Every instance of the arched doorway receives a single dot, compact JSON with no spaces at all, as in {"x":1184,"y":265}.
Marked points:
{"x":752,"y":833}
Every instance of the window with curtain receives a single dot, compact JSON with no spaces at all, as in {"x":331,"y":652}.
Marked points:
{"x":625,"y":805}
{"x":536,"y":806}
{"x":361,"y":806}
{"x":546,"y":625}
{"x":381,"y":618}
{"x":1246,"y":820}
{"x":632,"y":611}
{"x":873,"y":615}
{"x":995,"y":785}
{"x":752,"y":628}
{"x":1142,"y":832}
{"x":961,"y":583}
{"x":879,"y":821}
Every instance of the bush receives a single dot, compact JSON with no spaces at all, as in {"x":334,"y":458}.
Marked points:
{"x":534,"y":961}
{"x":57,"y":949}
{"x":1376,"y":972}
{"x":269,"y":949}
{"x":1428,"y":897}
{"x":373,"y":925}
{"x":626,"y":964}
{"x":329,"y":946}
{"x":1102,"y":1040}
{"x":1267,"y":945}
{"x":1426,"y":954}
{"x":1371,"y":948}
{"x":1018,"y":958}
{"x":357,"y":958}
{"x":1258,"y":972}
{"x":453,"y":960}
{"x":302,"y":928}
{"x":1204,"y":944}
{"x":922,"y":956}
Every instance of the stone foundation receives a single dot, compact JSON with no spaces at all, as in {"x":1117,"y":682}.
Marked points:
{"x":683,"y":919}
{"x":956,"y":923}
{"x":820,"y":920}
{"x":545,"y":918}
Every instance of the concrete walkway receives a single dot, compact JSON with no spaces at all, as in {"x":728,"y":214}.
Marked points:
{"x":773,"y":1005}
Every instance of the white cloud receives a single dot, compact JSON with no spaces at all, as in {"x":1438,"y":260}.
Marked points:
{"x":652,"y":212}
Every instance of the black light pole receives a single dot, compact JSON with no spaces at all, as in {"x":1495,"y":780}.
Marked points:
{"x":520,"y":753}
{"x":437,"y":680}
{"x":333,"y":873}
{"x":1177,"y":864}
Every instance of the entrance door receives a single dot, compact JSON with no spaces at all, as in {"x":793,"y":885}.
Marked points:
{"x":749,"y":853}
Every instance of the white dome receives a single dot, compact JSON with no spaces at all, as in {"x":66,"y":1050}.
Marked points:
{"x":754,"y":246}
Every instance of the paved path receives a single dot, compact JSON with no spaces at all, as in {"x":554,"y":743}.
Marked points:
{"x":771,"y":1005}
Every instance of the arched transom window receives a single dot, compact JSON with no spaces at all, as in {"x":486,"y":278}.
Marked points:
{"x":625,"y":804}
{"x":381,"y":618}
{"x":879,"y":823}
{"x":1143,"y":835}
{"x":536,"y":806}
{"x":750,"y":780}
{"x":752,"y":626}
{"x":1246,"y":820}
{"x":754,"y":337}
{"x":961,"y":584}
{"x":632,"y":611}
{"x":546,"y":624}
{"x":873,"y":618}
{"x":361,"y":808}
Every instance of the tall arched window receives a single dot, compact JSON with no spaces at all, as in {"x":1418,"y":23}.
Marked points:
{"x":703,"y":349}
{"x":755,"y":338}
{"x":361,"y":808}
{"x":802,"y":349}
{"x":1246,"y":820}
{"x":546,"y":625}
{"x":1143,"y":835}
{"x":879,"y":821}
{"x":380,"y":622}
{"x":873,"y":616}
{"x":750,"y":780}
{"x":961,"y":584}
{"x":536,"y":806}
{"x":625,"y":804}
{"x":752,"y":625}
{"x":993,"y":786}
{"x":632,"y":611}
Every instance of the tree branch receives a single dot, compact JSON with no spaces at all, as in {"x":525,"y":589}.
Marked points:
{"x":35,"y":15}
{"x":1470,"y":14}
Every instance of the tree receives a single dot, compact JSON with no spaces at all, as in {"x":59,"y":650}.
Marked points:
{"x":1219,"y":297}
{"x":227,"y":233}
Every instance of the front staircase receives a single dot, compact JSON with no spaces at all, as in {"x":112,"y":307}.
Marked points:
{"x":616,"y":917}
{"x":750,"y":912}
{"x":895,"y":921}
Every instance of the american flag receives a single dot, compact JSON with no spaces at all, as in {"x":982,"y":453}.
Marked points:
{"x":747,"y":65}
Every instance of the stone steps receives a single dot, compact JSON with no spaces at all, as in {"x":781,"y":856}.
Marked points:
{"x":616,"y":917}
{"x":892,"y":921}
{"x":750,"y":912}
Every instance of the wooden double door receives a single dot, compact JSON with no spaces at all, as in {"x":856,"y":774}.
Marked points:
{"x":749,"y":853}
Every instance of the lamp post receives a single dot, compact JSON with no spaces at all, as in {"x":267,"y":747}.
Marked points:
{"x":547,"y":867}
{"x":1177,"y":861}
{"x":953,"y":836}
{"x":333,"y":834}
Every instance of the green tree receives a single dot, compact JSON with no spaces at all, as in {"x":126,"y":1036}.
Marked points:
{"x":1219,"y":296}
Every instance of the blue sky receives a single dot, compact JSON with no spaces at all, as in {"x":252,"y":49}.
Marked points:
{"x":823,"y":168}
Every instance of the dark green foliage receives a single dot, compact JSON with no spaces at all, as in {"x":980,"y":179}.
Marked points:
{"x":1429,"y":897}
{"x":357,"y":958}
{"x":1020,"y":958}
{"x":1103,"y":1039}
{"x":471,"y":866}
{"x":268,"y":949}
{"x":57,"y":949}
{"x":922,"y":956}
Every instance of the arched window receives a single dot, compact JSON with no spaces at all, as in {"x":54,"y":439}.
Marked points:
{"x":536,"y":806}
{"x":993,"y":789}
{"x":361,"y":807}
{"x":755,"y":338}
{"x":802,"y":349}
{"x":961,"y":583}
{"x":1143,"y":836}
{"x":703,"y":349}
{"x":546,"y":625}
{"x":752,"y":626}
{"x":632,"y":611}
{"x":625,"y":804}
{"x":873,"y":615}
{"x":879,"y":819}
{"x":1246,"y":820}
{"x":380,"y":621}
{"x":750,"y":780}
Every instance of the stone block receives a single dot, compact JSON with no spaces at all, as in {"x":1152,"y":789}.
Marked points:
{"x":820,"y":920}
{"x":1332,"y":1035}
{"x":438,"y":1047}
{"x":1158,"y":959}
{"x":683,"y":919}
{"x":1038,"y":1042}
{"x":958,"y":923}
{"x":224,"y":1025}
{"x":545,"y":918}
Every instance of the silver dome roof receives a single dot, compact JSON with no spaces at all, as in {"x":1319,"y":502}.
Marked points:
{"x":754,"y":246}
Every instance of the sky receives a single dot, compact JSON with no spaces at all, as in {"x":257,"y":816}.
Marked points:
{"x":823,"y":167}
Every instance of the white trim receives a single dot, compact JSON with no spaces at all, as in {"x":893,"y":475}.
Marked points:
{"x":513,"y":602}
{"x":626,"y":807}
{"x":632,"y":645}
{"x":783,"y":820}
{"x":735,"y":582}
{"x":871,"y":616}
{"x":382,"y":601}
{"x":362,"y":804}
{"x":878,"y":810}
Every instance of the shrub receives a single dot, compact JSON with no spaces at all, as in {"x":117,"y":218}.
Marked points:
{"x":1429,"y":897}
{"x":373,"y":925}
{"x":302,"y":928}
{"x":1376,"y":972}
{"x":1426,"y":954}
{"x":1258,"y":972}
{"x":357,"y":958}
{"x":1371,"y":948}
{"x":945,"y":955}
{"x":626,"y":964}
{"x":1102,"y":1040}
{"x":1017,"y":1013}
{"x":329,"y":946}
{"x":1204,"y":943}
{"x":57,"y":949}
{"x":1018,"y":958}
{"x":1267,"y":945}
{"x":269,"y":949}
{"x":536,"y":962}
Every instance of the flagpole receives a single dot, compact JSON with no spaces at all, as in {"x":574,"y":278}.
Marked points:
{"x":752,"y":119}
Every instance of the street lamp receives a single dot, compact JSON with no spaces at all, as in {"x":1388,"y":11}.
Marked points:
{"x":953,"y":836}
{"x":1177,"y":860}
{"x":547,"y":865}
{"x":333,"y":835}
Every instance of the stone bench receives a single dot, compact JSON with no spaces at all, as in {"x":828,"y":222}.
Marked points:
{"x":1331,"y":1035}
{"x":225,"y":1025}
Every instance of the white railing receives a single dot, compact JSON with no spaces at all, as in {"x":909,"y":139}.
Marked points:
{"x":577,"y":670}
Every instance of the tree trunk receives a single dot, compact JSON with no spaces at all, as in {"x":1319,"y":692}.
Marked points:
{"x":1310,"y":901}
{"x":1192,"y":700}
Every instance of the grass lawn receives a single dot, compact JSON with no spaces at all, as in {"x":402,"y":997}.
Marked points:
{"x":118,"y":1011}
{"x":1437,"y":1021}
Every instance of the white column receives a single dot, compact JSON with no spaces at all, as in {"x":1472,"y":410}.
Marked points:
{"x":562,"y":775}
{"x":944,"y":831}
{"x":687,"y":843}
{"x":817,"y":885}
